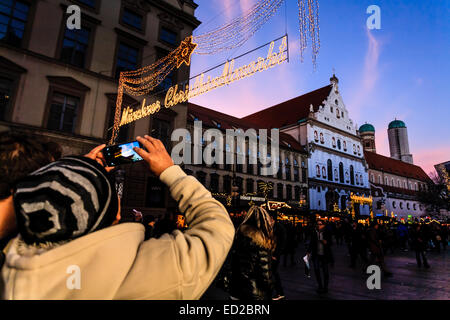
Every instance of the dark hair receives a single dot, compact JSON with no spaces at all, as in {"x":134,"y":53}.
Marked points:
{"x":19,"y":156}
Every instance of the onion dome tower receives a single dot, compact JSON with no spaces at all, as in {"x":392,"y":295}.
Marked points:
{"x":367,"y":133}
{"x":398,"y":141}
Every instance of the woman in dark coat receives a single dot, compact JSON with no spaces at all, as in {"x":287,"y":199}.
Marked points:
{"x":251,"y":257}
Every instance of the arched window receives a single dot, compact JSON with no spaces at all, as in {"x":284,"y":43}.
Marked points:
{"x":330,"y":170}
{"x":414,"y":207}
{"x":361,"y":179}
{"x":289,"y":192}
{"x":324,"y":172}
{"x":405,"y":185}
{"x":280,"y":191}
{"x":372,"y":179}
{"x":297,"y":193}
{"x":322,"y":140}
{"x":407,"y":205}
{"x":379,"y":180}
{"x":357,"y":179}
{"x":318,"y":170}
{"x":398,"y":183}
{"x":401,"y":205}
{"x":287,"y":168}
{"x":333,"y":141}
{"x":338,"y":113}
{"x":393,"y":183}
{"x":386,"y":181}
{"x":339,"y":144}
{"x":352,"y":175}
{"x":250,"y":185}
{"x":341,"y":172}
{"x":345,"y":146}
{"x":394,"y":205}
{"x":359,"y":150}
{"x":347,"y":179}
{"x":336,"y":176}
{"x":316,"y":136}
{"x":354,"y":149}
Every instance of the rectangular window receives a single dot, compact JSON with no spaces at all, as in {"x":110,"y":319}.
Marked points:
{"x":75,"y":46}
{"x":6,"y":92}
{"x":168,"y":36}
{"x":250,"y":186}
{"x":89,"y":3}
{"x":214,"y":184}
{"x":13,"y":20}
{"x":63,"y":112}
{"x":132,"y":19}
{"x":161,"y":129}
{"x":127,"y":58}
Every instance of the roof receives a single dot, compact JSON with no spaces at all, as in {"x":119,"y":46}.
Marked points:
{"x":392,"y":189}
{"x":207,"y":116}
{"x":291,"y":111}
{"x":397,"y":124}
{"x":366,"y":128}
{"x":382,"y":163}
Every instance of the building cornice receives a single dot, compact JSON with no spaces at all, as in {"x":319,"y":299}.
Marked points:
{"x":313,"y":182}
{"x":336,"y":152}
{"x":180,"y":14}
{"x":59,"y":63}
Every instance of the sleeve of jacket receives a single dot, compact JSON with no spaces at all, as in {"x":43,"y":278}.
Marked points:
{"x":182,"y":265}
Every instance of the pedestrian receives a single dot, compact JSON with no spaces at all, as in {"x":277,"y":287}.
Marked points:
{"x":291,"y":245}
{"x":376,"y":247}
{"x":402,"y":236}
{"x":280,"y":235}
{"x":358,"y":246}
{"x":320,"y":251}
{"x":418,"y":242}
{"x":67,"y":213}
{"x":251,"y":255}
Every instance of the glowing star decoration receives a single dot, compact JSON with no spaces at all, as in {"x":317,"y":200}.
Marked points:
{"x":186,"y":49}
{"x":230,"y":74}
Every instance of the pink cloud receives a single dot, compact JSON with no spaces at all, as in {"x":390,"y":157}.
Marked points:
{"x":370,"y":75}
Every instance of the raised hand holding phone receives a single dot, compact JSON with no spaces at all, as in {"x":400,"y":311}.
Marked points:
{"x":155,"y":154}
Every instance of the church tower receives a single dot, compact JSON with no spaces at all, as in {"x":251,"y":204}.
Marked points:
{"x":398,"y":141}
{"x":367,"y":134}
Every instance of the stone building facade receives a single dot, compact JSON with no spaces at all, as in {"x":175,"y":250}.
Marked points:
{"x":61,"y":84}
{"x":289,"y":182}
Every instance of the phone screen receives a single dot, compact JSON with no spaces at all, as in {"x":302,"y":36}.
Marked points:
{"x":121,"y":154}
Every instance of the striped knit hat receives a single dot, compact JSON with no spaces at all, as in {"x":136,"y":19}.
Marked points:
{"x":65,"y":200}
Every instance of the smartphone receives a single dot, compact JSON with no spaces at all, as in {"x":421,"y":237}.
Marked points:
{"x":121,"y":154}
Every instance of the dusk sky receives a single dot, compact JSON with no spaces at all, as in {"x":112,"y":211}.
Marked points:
{"x":400,"y":71}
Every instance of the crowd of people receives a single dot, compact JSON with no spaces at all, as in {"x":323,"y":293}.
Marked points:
{"x":58,"y":212}
{"x":246,"y":272}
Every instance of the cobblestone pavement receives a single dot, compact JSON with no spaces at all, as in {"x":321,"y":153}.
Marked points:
{"x":408,"y":281}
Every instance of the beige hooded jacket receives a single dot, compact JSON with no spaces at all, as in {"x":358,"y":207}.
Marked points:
{"x":116,"y":262}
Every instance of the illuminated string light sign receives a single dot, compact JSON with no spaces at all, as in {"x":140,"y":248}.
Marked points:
{"x":203,"y":84}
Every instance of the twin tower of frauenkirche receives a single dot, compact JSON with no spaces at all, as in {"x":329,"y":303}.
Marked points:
{"x":398,"y":140}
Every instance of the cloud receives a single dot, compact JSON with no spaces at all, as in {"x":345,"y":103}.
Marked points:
{"x":370,"y":74}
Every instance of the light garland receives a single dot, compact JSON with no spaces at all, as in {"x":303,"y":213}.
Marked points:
{"x":231,"y":35}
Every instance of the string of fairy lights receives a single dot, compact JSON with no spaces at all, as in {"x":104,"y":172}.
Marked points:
{"x":231,"y":35}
